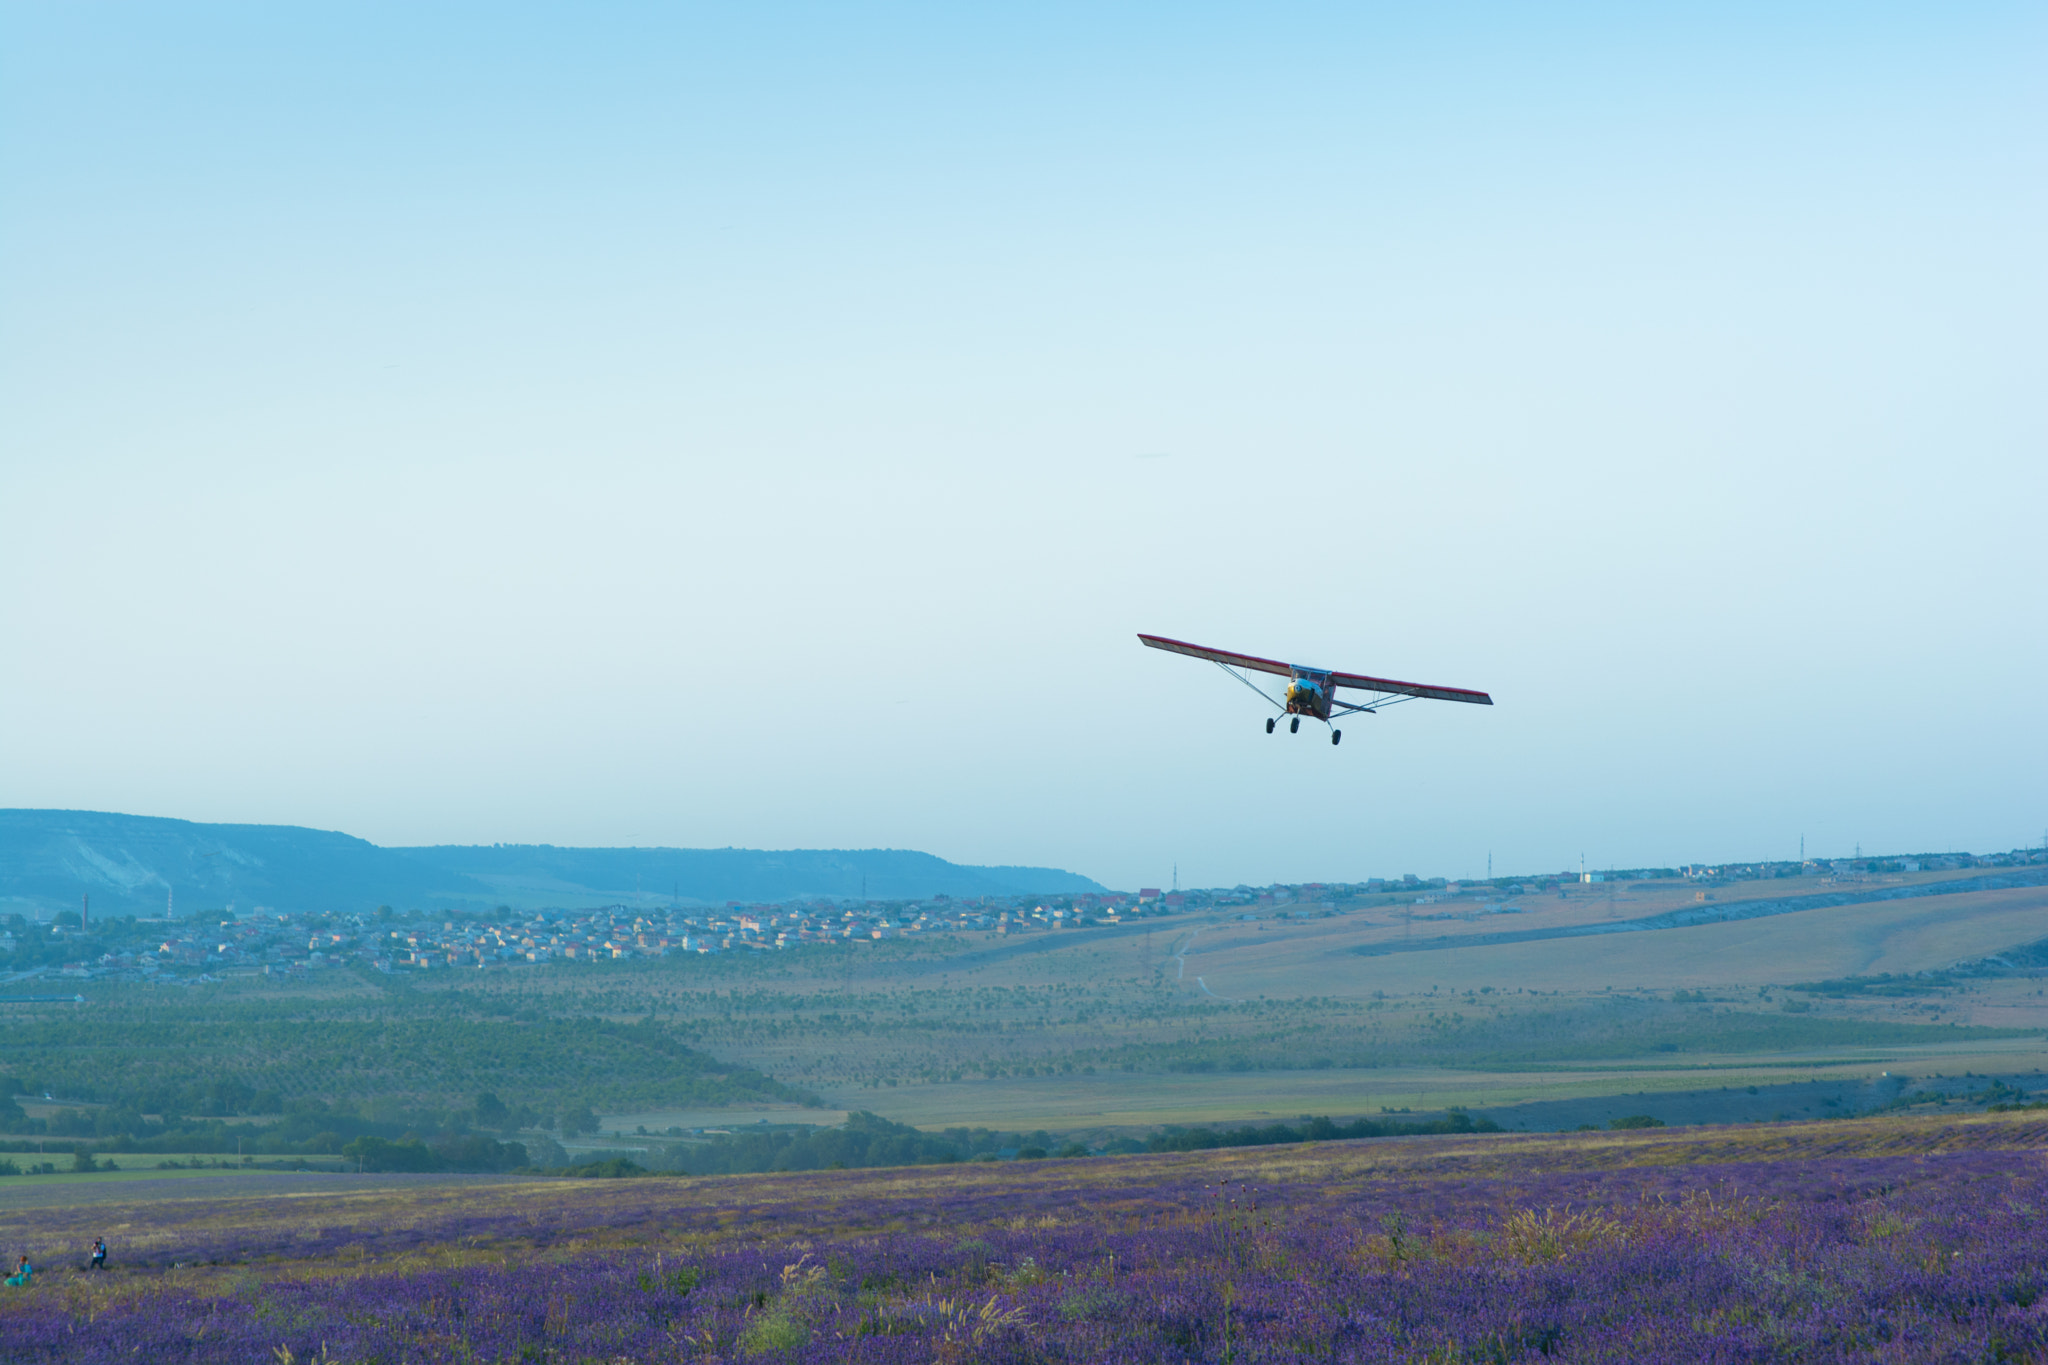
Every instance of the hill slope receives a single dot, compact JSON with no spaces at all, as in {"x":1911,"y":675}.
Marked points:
{"x":136,"y":864}
{"x":139,"y":865}
{"x":527,"y":871}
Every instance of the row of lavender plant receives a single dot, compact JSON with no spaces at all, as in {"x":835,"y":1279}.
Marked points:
{"x":1896,"y":1259}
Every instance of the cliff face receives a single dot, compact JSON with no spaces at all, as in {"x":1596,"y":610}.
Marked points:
{"x":140,"y":865}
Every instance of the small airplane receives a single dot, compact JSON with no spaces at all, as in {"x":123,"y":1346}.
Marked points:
{"x":1312,"y":691}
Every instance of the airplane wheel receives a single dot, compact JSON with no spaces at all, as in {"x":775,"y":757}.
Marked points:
{"x":1294,"y":726}
{"x":1336,"y":735}
{"x":1269,"y":725}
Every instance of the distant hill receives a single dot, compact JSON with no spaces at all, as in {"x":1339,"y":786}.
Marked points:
{"x":534,"y":872}
{"x":137,"y":865}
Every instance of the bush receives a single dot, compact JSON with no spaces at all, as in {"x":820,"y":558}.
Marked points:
{"x":1315,"y":1130}
{"x":477,"y":1153}
{"x":545,"y":1152}
{"x":774,"y":1331}
{"x":407,"y":1154}
{"x":1092,"y":1304}
{"x":618,"y":1168}
{"x":866,"y":1140}
{"x":1636,"y":1121}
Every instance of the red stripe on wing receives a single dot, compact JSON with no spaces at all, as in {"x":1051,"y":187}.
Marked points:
{"x":1364,"y":684}
{"x":1221,"y":656}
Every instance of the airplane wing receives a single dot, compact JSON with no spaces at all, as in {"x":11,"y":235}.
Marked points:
{"x":1364,"y":684}
{"x":1219,"y":656}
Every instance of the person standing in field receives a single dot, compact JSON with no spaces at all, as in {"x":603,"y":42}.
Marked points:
{"x":99,"y":1254}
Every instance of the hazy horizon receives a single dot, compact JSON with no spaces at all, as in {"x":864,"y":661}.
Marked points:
{"x":771,"y":429}
{"x":1424,"y":873}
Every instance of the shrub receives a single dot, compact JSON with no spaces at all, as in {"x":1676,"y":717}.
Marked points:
{"x":407,"y":1154}
{"x":618,"y":1168}
{"x":774,"y":1330}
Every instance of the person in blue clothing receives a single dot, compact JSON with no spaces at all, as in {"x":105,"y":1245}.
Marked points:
{"x":23,"y":1271}
{"x":99,"y":1254}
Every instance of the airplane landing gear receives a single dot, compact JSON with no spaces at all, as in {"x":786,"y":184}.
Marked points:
{"x":1294,"y":726}
{"x":1269,"y":725}
{"x":1336,"y":735}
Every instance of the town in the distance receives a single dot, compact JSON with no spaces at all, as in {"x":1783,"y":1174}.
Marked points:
{"x":278,"y":942}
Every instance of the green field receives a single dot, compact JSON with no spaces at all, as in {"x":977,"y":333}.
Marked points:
{"x":1196,"y":1019}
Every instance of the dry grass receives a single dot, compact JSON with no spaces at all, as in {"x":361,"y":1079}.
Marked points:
{"x":1245,"y":961}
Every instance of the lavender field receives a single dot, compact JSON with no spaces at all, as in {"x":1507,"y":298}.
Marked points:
{"x":1901,"y":1240}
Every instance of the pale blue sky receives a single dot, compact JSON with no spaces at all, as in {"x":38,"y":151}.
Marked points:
{"x":771,"y":426}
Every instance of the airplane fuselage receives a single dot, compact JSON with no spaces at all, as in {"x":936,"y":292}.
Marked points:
{"x":1308,"y":694}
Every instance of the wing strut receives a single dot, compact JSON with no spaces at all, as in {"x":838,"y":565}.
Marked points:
{"x":1280,"y":705}
{"x":1371,"y":708}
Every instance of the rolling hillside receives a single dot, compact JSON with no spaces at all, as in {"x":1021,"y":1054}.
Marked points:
{"x":144,"y":865}
{"x":524,"y":872}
